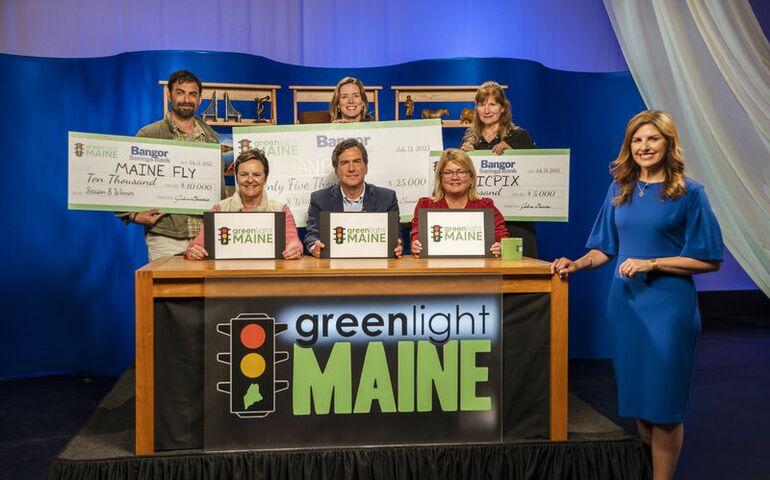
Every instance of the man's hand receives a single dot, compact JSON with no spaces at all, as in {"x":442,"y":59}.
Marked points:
{"x":317,"y":246}
{"x":148,"y":217}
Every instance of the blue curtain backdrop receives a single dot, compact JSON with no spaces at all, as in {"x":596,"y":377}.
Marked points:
{"x":68,"y":285}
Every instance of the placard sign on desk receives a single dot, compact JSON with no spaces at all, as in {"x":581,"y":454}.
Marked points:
{"x":456,"y":232}
{"x":299,"y":372}
{"x":300,"y":158}
{"x":527,"y":185}
{"x":359,"y":234}
{"x":116,"y":173}
{"x":244,"y":235}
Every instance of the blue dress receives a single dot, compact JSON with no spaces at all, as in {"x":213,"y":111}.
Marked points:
{"x":653,"y":317}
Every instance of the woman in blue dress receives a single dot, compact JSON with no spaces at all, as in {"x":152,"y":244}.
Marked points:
{"x":659,"y":225}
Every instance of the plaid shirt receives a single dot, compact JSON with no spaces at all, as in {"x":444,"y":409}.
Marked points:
{"x":194,"y":223}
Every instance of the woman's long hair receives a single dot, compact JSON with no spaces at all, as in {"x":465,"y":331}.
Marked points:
{"x":334,"y":105}
{"x":461,"y":158}
{"x":506,"y":126}
{"x":625,"y":171}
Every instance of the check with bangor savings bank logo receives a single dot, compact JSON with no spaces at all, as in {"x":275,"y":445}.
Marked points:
{"x":526,"y":185}
{"x":117,"y":173}
{"x":301,"y":158}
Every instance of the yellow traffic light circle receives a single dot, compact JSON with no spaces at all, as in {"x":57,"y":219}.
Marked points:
{"x":253,"y":365}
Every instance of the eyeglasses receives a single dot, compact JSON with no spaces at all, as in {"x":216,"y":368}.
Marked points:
{"x":452,"y":173}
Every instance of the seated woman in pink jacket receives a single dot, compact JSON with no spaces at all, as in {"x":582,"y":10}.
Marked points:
{"x":455,"y":187}
{"x":251,"y":170}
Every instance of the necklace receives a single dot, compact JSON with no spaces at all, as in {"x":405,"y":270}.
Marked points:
{"x":642,"y":189}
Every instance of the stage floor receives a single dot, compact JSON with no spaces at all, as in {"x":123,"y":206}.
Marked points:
{"x":596,"y":448}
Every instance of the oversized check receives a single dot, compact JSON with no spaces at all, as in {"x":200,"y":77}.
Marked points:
{"x":115,"y":173}
{"x":528,"y":185}
{"x":301,"y":158}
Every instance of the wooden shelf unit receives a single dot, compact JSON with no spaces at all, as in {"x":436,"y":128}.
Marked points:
{"x":324,"y":94}
{"x":444,"y":93}
{"x":239,"y":92}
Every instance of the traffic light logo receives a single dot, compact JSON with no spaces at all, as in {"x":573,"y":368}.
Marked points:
{"x":224,"y":235}
{"x":245,"y":145}
{"x":339,"y":235}
{"x":252,"y":359}
{"x":79,"y":149}
{"x":436,"y":233}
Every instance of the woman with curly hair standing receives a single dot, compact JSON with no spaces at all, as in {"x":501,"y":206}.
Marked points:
{"x":659,"y":225}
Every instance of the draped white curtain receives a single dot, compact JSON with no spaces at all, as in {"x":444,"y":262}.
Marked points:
{"x":707,"y":63}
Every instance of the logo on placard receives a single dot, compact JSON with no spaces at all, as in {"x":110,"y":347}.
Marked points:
{"x":89,"y":150}
{"x":339,"y":235}
{"x":241,"y":236}
{"x":224,"y":235}
{"x":252,"y":359}
{"x":435,"y":232}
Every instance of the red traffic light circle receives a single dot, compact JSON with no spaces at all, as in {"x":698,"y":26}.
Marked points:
{"x":252,"y":336}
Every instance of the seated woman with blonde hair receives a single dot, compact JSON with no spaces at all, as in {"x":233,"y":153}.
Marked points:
{"x":251,"y":170}
{"x":455,"y":187}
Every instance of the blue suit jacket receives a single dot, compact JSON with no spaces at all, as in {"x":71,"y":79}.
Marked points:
{"x":376,"y":199}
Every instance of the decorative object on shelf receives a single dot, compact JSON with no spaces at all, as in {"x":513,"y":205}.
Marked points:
{"x":437,"y":113}
{"x":230,"y":111}
{"x":261,"y":108}
{"x":408,"y":107}
{"x":232,"y":94}
{"x":467,"y":115}
{"x":211,"y":110}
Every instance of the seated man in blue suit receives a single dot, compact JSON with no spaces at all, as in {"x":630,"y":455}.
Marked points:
{"x":352,"y":194}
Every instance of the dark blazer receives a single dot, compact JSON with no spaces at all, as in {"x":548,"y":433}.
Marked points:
{"x":376,"y":199}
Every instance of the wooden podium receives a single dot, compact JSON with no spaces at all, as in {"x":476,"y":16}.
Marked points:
{"x":174,"y":277}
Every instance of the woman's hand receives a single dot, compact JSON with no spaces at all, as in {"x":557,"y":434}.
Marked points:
{"x":466,"y":147}
{"x":292,"y":252}
{"x":563,"y":267}
{"x":416,"y":248}
{"x":632,"y":266}
{"x":195,"y":252}
{"x":495,"y":249}
{"x":501,"y":147}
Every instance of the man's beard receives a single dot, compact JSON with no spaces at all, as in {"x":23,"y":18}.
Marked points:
{"x":183,"y":113}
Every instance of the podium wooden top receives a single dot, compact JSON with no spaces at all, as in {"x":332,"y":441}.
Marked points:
{"x":178,"y":267}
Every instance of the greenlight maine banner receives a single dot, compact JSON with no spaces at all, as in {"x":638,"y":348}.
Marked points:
{"x":326,"y":371}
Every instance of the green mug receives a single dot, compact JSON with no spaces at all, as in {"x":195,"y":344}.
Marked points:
{"x":512,"y":248}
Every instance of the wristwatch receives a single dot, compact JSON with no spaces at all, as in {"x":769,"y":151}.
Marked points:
{"x":653,"y":263}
